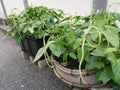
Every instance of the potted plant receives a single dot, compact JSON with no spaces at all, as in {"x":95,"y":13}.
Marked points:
{"x":65,"y":43}
{"x":29,"y":27}
{"x":92,"y":42}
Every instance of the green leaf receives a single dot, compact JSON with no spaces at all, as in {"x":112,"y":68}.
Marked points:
{"x":109,"y":71}
{"x":101,"y":19}
{"x":103,"y":76}
{"x":17,"y":39}
{"x":72,"y":54}
{"x":97,"y":52}
{"x":65,"y":55}
{"x":94,"y":62}
{"x":103,"y":51}
{"x":115,"y":63}
{"x":65,"y":19}
{"x":78,"y":31}
{"x":40,"y":35}
{"x":112,"y":35}
{"x":94,"y":36}
{"x":25,"y":30}
{"x":109,"y":50}
{"x":87,"y":57}
{"x":111,"y":57}
{"x":117,"y":22}
{"x":57,"y":48}
{"x":103,"y":45}
{"x":31,"y":30}
{"x":76,"y":44}
{"x":12,"y":32}
{"x":40,"y":52}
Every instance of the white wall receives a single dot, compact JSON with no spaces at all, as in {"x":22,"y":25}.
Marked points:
{"x":11,"y":4}
{"x":82,"y":7}
{"x":1,"y":12}
{"x":114,"y":7}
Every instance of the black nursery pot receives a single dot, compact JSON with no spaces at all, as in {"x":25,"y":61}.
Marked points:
{"x":31,"y":46}
{"x":25,"y":45}
{"x":35,"y":45}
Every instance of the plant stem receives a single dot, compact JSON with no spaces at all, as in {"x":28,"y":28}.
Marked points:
{"x":80,"y":64}
{"x":82,"y":57}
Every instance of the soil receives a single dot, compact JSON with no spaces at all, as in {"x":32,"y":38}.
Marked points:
{"x":71,"y":63}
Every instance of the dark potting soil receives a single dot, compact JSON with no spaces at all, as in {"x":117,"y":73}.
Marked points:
{"x":71,"y":63}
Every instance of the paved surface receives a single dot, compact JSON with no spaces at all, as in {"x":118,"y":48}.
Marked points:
{"x":17,"y":73}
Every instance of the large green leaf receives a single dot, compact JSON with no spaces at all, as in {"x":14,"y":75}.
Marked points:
{"x":94,"y":62}
{"x":99,"y":49}
{"x":103,"y":51}
{"x":112,"y":35}
{"x":57,"y":48}
{"x":109,"y":71}
{"x":40,"y":52}
{"x":103,"y":76}
{"x":115,"y":63}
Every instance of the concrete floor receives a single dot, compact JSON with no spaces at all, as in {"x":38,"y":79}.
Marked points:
{"x":17,"y":73}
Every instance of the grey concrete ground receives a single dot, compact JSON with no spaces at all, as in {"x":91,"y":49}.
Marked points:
{"x":17,"y":73}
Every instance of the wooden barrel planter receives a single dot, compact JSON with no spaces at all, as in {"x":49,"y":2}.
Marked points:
{"x":72,"y":77}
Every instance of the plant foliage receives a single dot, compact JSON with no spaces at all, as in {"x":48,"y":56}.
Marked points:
{"x":93,"y":39}
{"x":33,"y":22}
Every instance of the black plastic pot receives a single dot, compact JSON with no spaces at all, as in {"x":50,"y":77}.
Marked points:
{"x":31,"y":46}
{"x":25,"y":46}
{"x":35,"y":44}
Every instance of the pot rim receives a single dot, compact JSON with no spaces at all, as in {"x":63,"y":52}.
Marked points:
{"x":75,"y":71}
